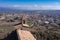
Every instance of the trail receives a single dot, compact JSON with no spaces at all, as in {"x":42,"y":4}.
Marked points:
{"x":24,"y":34}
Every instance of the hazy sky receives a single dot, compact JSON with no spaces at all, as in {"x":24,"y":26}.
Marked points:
{"x":31,"y":4}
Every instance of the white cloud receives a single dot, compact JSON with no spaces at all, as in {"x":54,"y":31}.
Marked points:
{"x":37,"y":7}
{"x":16,"y":5}
{"x":56,"y":3}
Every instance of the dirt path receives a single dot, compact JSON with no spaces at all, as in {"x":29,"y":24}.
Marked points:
{"x":25,"y":35}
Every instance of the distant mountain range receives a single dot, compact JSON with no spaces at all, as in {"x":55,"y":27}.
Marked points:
{"x":4,"y":9}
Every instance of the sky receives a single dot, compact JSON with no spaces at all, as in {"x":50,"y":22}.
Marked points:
{"x":31,"y":4}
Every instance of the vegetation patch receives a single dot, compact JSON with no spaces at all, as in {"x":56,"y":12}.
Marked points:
{"x":29,"y":23}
